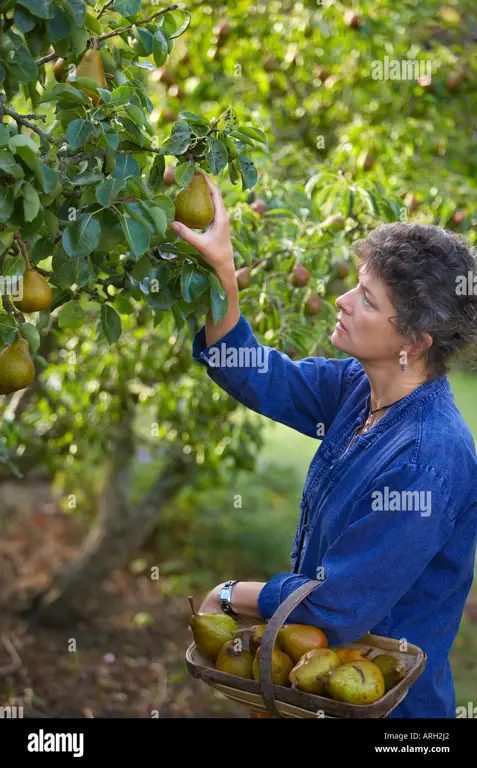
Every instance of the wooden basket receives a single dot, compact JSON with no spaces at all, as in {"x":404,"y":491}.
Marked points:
{"x":262,"y":696}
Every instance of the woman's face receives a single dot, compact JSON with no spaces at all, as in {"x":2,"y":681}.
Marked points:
{"x":364,"y":330}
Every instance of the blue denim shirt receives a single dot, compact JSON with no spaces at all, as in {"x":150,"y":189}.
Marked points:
{"x":389,"y":526}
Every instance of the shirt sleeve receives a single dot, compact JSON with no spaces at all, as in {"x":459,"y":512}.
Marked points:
{"x":392,"y":536}
{"x":304,"y":394}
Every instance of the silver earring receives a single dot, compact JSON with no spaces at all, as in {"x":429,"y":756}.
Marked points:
{"x":404,"y":366}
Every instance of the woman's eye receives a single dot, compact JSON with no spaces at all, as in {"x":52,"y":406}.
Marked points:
{"x":365,"y":299}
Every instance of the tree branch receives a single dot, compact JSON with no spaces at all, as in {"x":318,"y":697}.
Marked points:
{"x":116,"y":32}
{"x":22,"y":120}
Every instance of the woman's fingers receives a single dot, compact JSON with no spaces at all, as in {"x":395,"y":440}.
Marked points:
{"x":194,"y":238}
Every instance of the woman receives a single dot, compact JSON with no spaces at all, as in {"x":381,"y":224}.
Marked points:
{"x":388,"y":518}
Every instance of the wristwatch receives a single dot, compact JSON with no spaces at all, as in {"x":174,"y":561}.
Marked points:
{"x":225,"y":596}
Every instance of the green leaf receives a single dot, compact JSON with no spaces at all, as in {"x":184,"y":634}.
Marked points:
{"x":160,"y":49}
{"x":31,"y":202}
{"x":123,"y":305}
{"x":7,"y":202}
{"x":24,"y":147}
{"x":23,"y":20}
{"x":137,"y":235}
{"x":142,"y":269}
{"x":219,"y":305}
{"x":180,"y":31}
{"x":64,"y":268}
{"x":126,"y":166}
{"x":42,"y":9}
{"x":136,"y":114}
{"x":156,"y":175}
{"x":242,"y":137}
{"x":81,"y":237}
{"x":243,"y":251}
{"x":249,"y":171}
{"x":78,"y":131}
{"x":108,"y":191}
{"x":42,"y":249}
{"x":179,"y":140}
{"x":48,"y":178}
{"x":127,"y":7}
{"x":59,"y":26}
{"x":78,"y":8}
{"x":93,"y":24}
{"x":165,"y":204}
{"x":184,"y":173}
{"x":158,"y":217}
{"x":52,"y":222}
{"x":64,"y":92}
{"x":88,"y":177}
{"x":193,"y":283}
{"x":4,"y":135}
{"x":24,"y":66}
{"x":111,"y":323}
{"x":71,"y":315}
{"x":7,"y":162}
{"x":217,"y":156}
{"x":30,"y":333}
{"x":253,"y":133}
{"x":144,"y":38}
{"x":121,"y":96}
{"x":111,"y":136}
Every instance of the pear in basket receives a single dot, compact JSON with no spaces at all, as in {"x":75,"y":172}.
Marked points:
{"x":297,"y":639}
{"x":356,"y":682}
{"x":393,"y":669}
{"x":351,"y":654}
{"x":235,"y":659}
{"x":255,"y":637}
{"x":211,"y":631}
{"x":282,"y":665}
{"x":308,"y":675}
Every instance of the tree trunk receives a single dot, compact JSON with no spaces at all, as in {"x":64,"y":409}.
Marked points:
{"x":116,"y":536}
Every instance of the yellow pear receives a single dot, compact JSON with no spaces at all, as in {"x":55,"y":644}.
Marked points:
{"x":297,"y":639}
{"x":194,"y":204}
{"x":393,"y":669}
{"x":282,"y":665}
{"x":356,"y":682}
{"x":91,"y":66}
{"x":308,"y":674}
{"x":211,"y":631}
{"x":37,"y":293}
{"x":16,"y":367}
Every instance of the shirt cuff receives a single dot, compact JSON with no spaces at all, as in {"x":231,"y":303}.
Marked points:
{"x":237,"y":337}
{"x":270,"y":596}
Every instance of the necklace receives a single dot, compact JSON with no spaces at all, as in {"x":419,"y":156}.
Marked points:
{"x":368,"y":424}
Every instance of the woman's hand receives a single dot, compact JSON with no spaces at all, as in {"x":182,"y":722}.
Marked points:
{"x":215,"y":245}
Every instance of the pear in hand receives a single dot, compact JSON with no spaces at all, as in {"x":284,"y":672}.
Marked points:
{"x":308,"y":674}
{"x":211,"y":631}
{"x":16,"y":366}
{"x":37,"y":294}
{"x":235,"y":659}
{"x":194,"y":204}
{"x":297,"y":639}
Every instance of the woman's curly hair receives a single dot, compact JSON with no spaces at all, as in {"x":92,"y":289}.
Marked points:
{"x":426,"y":271}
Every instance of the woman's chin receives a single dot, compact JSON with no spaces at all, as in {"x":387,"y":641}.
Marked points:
{"x":338,"y":341}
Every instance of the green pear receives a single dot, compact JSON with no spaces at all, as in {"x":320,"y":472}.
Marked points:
{"x":211,"y":631}
{"x":282,"y":665}
{"x":16,"y":367}
{"x":356,"y":682}
{"x":194,"y":204}
{"x":309,"y":674}
{"x":37,"y":293}
{"x":235,"y":659}
{"x":393,"y":669}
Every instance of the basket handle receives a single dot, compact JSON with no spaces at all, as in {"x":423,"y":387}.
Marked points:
{"x":268,"y":641}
